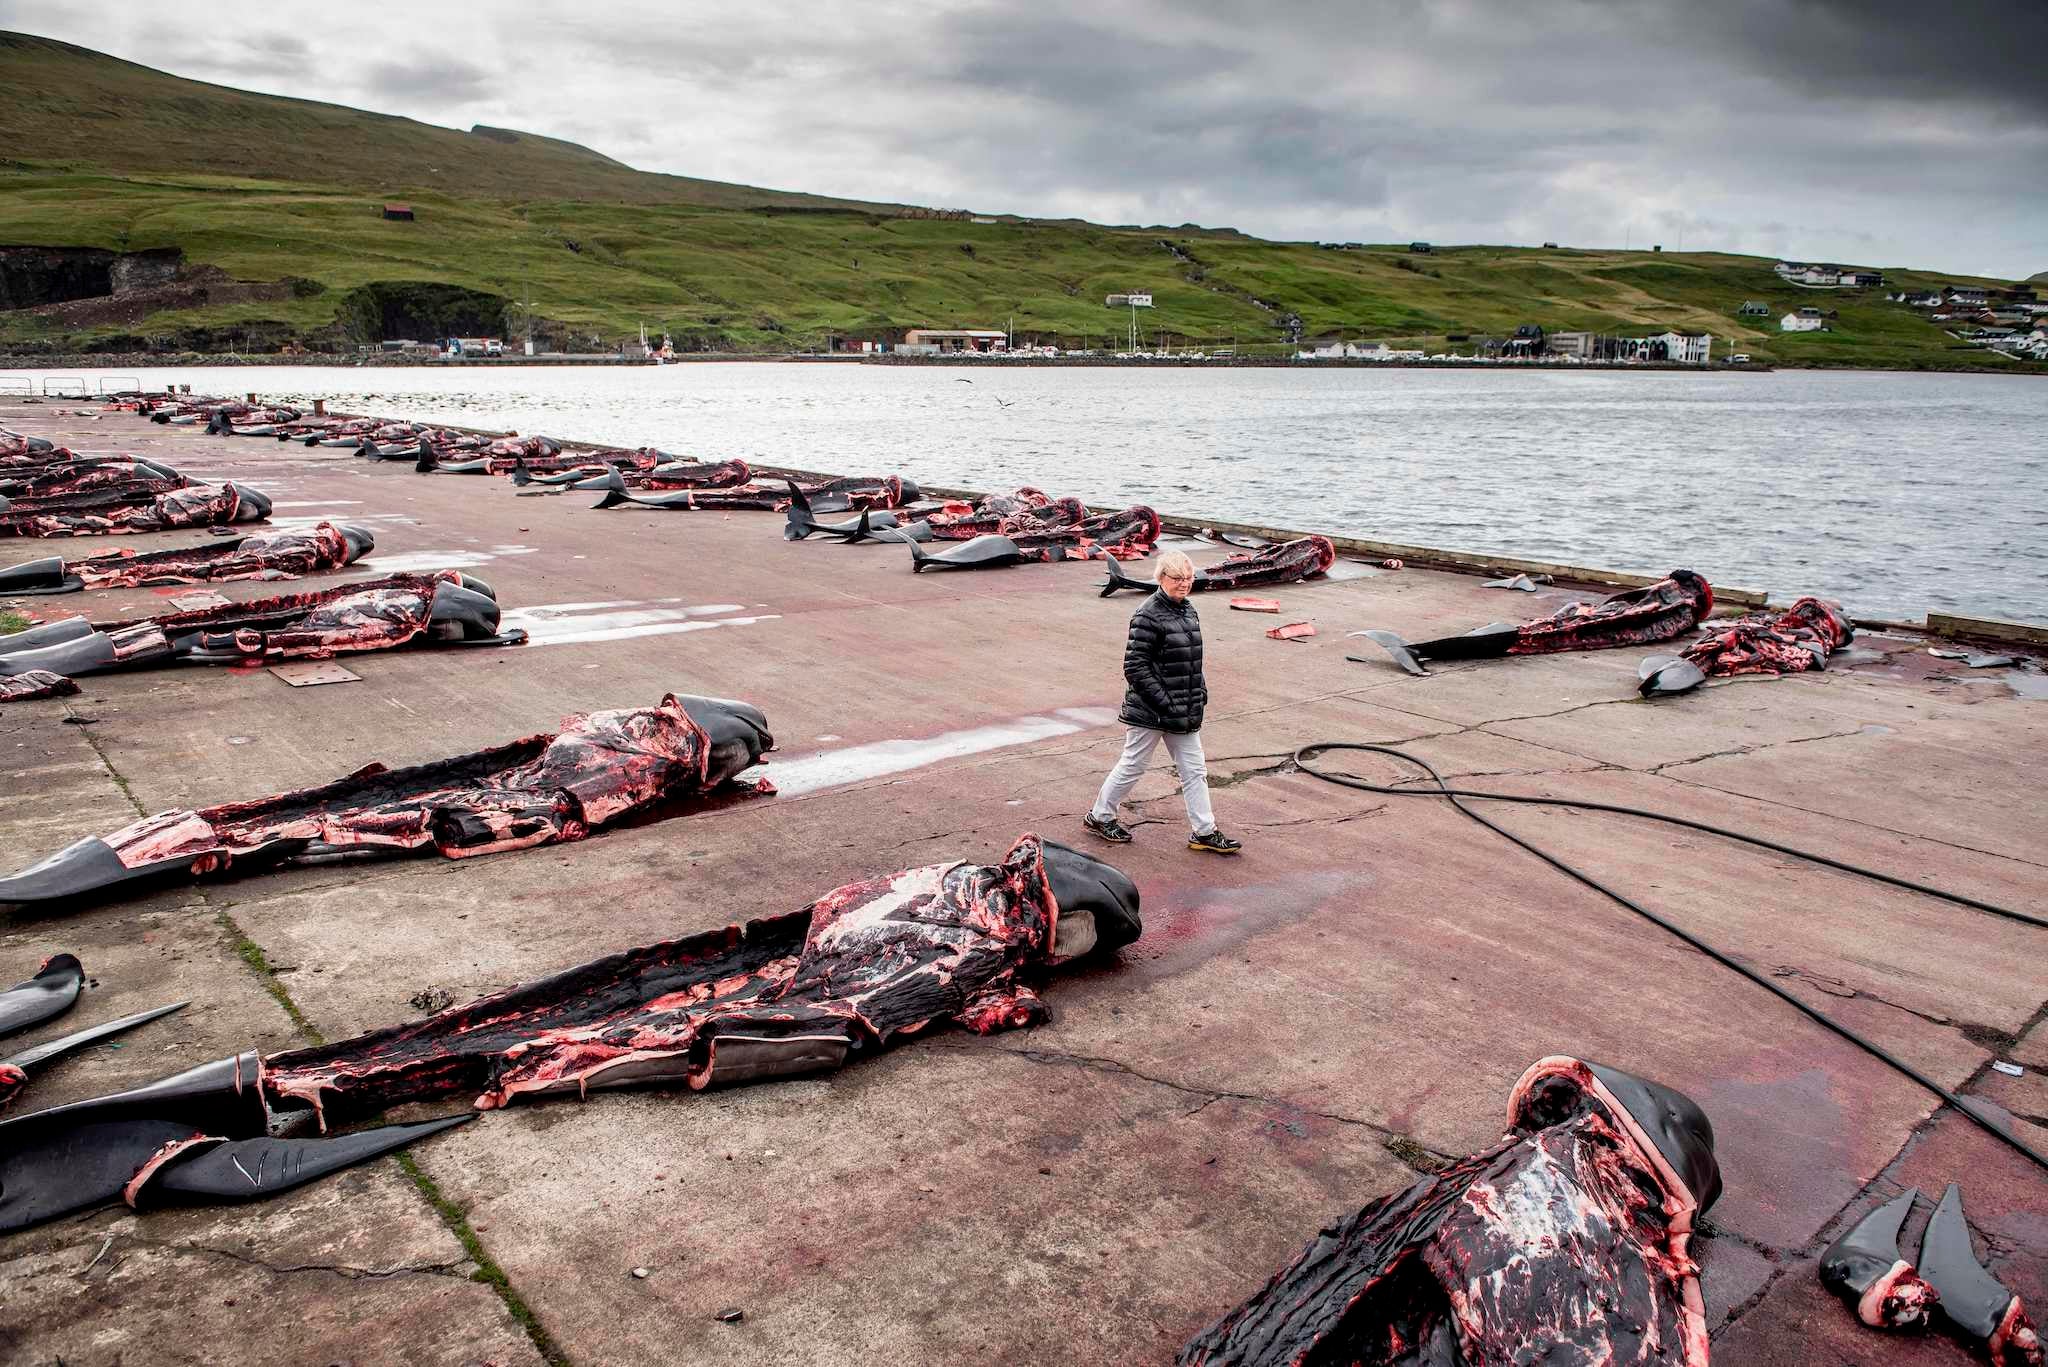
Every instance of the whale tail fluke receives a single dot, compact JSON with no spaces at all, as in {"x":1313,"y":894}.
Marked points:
{"x":863,"y":530}
{"x":1663,"y":676}
{"x":1118,"y":579}
{"x":1403,"y":655}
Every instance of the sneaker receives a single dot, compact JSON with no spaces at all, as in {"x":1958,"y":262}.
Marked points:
{"x":1215,"y":842}
{"x":1111,"y":830}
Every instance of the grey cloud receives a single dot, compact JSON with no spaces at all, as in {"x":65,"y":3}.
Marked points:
{"x":440,"y":80}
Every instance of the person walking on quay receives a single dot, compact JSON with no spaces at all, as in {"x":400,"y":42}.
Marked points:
{"x":1163,"y":703}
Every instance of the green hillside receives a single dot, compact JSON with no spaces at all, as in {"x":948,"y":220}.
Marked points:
{"x":284,"y":195}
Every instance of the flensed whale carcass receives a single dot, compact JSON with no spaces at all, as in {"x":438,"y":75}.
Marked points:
{"x":1572,"y":1234}
{"x":1286,"y":562}
{"x":836,"y":495}
{"x":266,"y":555}
{"x":1670,"y":607}
{"x":858,"y":969}
{"x":956,"y":520}
{"x":1128,"y":535}
{"x":86,"y":475}
{"x":316,"y":624}
{"x":1799,"y":639}
{"x":199,"y":505}
{"x":542,"y":789}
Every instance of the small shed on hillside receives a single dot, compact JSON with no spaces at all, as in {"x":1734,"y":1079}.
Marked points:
{"x":399,"y":211}
{"x":1753,"y":308}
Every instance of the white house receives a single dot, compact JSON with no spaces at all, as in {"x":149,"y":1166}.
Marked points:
{"x":1794,"y":322}
{"x":1667,"y":346}
{"x":1686,"y":349}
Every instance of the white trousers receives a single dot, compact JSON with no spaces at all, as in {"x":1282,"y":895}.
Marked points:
{"x":1186,"y":750}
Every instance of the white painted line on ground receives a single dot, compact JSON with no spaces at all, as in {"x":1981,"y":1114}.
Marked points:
{"x":855,"y":764}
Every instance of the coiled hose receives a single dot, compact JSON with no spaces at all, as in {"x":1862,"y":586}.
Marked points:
{"x":1458,"y":796}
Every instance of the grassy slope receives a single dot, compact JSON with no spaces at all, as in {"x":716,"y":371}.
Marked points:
{"x":231,"y":178}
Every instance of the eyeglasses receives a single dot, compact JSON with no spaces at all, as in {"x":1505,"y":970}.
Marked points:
{"x":1176,"y":579}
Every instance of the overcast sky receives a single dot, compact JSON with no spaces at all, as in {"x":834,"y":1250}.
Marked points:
{"x":1873,"y":132}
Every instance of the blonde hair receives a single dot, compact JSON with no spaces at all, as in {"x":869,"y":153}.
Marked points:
{"x":1173,"y":562}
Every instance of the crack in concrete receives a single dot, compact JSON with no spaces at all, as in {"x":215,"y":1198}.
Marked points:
{"x":459,"y":1269}
{"x":1836,"y":987}
{"x":1337,"y":820}
{"x":1411,"y":1153}
{"x":1756,"y":1298}
{"x":92,"y":743}
{"x":1746,"y":750}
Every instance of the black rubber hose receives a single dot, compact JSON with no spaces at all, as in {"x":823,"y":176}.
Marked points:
{"x":1456,"y":797}
{"x":1530,"y":799}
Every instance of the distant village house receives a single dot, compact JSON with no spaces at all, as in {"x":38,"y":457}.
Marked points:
{"x":937,"y":341}
{"x":1827,"y":277}
{"x":398,"y":212}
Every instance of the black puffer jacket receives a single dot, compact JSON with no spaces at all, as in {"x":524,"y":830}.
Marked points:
{"x":1163,"y":666}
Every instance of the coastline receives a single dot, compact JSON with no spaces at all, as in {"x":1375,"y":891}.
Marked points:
{"x":198,"y":360}
{"x":1733,"y":600}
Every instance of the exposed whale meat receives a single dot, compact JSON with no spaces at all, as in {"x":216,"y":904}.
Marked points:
{"x":543,"y":789}
{"x":1568,"y":1240}
{"x":847,"y":974}
{"x":1864,"y":1268}
{"x":1670,"y":607}
{"x":85,"y":475}
{"x":35,"y":683}
{"x":676,"y":474}
{"x":1129,"y":535}
{"x":377,"y":614}
{"x":1972,"y":1299}
{"x":851,"y":492}
{"x":1286,"y":562}
{"x":961,"y":521}
{"x":1791,"y":642}
{"x":89,"y":515}
{"x":858,"y":969}
{"x":647,"y":469}
{"x":265,"y":556}
{"x":17,"y":450}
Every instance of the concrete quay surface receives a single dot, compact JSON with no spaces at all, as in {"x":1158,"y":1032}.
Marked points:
{"x":1300,"y":1029}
